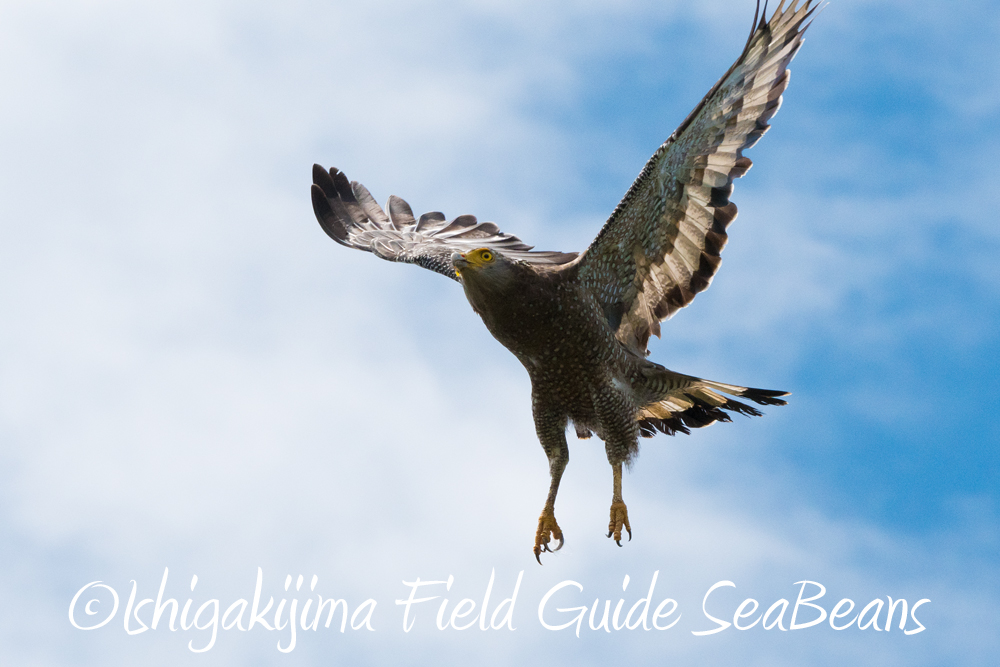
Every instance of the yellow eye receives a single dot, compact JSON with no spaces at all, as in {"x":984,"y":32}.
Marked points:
{"x":486,"y":256}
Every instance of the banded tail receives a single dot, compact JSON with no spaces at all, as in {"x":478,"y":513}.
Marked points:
{"x":700,"y":403}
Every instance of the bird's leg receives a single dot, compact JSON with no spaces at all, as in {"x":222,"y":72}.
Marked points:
{"x":547,"y":524}
{"x":551,"y":431}
{"x":621,"y":435}
{"x":619,"y":513}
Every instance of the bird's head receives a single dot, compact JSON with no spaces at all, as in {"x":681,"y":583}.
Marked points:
{"x":482,"y":266}
{"x":490,"y":279}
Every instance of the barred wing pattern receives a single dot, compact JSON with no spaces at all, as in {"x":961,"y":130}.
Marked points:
{"x":662,"y":244}
{"x":351,"y":216}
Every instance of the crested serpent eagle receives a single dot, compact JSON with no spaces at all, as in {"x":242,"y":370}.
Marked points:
{"x":580,"y":322}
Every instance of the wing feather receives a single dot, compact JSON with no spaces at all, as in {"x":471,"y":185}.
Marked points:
{"x":349,"y":214}
{"x":662,"y":244}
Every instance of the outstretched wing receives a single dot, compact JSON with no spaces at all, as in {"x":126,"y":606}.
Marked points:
{"x":350,"y":215}
{"x":661,"y":245}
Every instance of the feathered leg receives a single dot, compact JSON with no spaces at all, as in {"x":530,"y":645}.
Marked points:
{"x":551,"y":429}
{"x":621,"y":443}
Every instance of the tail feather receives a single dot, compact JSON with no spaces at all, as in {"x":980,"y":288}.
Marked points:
{"x":700,"y":403}
{"x":765,"y":396}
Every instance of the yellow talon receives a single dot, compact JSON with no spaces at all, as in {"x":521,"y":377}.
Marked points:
{"x":619,"y":519}
{"x":547,"y":526}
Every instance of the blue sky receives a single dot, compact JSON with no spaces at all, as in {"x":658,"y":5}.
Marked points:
{"x":194,"y":376}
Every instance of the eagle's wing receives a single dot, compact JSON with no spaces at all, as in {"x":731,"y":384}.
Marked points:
{"x":351,"y":216}
{"x":661,"y":245}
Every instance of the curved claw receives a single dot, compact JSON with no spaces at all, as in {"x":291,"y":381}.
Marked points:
{"x":619,"y":520}
{"x":548,"y":530}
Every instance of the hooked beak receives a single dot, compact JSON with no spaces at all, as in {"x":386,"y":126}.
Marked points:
{"x":459,"y":262}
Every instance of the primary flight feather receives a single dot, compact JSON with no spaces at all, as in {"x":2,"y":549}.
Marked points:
{"x":580,"y":323}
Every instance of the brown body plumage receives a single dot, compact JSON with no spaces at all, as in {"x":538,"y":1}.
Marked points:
{"x":580,"y":323}
{"x":558,"y":331}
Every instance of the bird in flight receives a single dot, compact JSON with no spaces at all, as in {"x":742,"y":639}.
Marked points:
{"x":580,"y":322}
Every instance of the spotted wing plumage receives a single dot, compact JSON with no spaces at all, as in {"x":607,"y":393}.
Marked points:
{"x":350,"y":216}
{"x":662,"y":244}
